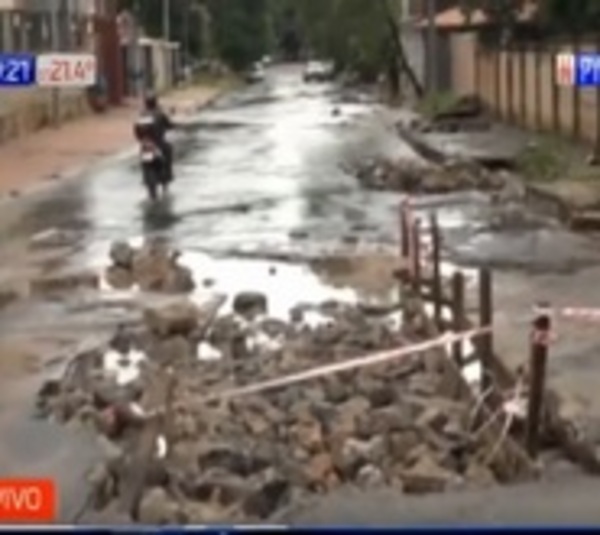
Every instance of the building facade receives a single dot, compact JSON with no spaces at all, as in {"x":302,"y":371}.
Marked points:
{"x":413,"y":16}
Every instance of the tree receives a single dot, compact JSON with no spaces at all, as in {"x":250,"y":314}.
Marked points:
{"x":359,"y":36}
{"x":554,"y":16}
{"x":502,"y":14}
{"x":561,"y":16}
{"x":240,"y":28}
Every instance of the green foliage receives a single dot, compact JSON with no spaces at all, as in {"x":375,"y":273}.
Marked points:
{"x":556,"y":16}
{"x":354,"y":33}
{"x":545,"y":160}
{"x":240,"y":30}
{"x":570,"y":17}
{"x":436,"y":103}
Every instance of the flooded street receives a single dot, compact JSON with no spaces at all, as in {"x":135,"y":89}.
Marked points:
{"x":261,"y":198}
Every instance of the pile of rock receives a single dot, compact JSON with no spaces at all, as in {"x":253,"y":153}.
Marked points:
{"x":413,"y":177}
{"x":153,"y":267}
{"x":239,"y":459}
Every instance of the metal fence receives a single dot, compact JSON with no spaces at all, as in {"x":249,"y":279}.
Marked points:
{"x":42,"y":31}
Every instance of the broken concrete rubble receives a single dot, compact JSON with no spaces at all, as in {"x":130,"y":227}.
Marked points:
{"x":415,"y":177}
{"x":393,"y":424}
{"x":154,"y":267}
{"x":180,"y":317}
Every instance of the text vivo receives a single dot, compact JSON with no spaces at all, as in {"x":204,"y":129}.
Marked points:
{"x":21,"y":499}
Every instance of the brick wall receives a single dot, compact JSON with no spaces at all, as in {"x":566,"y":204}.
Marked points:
{"x":518,"y":85}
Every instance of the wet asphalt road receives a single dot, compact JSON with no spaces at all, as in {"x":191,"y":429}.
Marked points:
{"x":259,"y":180}
{"x":264,"y":166}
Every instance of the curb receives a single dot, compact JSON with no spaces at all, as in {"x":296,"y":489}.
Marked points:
{"x":544,"y":202}
{"x":548,"y":204}
{"x":421,"y":147}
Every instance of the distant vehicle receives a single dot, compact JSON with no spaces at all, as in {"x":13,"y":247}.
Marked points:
{"x":255,"y":74}
{"x":318,"y":71}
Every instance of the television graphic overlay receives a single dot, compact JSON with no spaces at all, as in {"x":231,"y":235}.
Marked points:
{"x":66,"y":70}
{"x":17,"y":70}
{"x":579,"y":70}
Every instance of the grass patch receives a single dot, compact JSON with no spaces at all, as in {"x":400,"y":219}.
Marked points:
{"x":441,"y":102}
{"x":551,"y":158}
{"x":545,"y":160}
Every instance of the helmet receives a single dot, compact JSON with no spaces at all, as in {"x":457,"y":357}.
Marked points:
{"x":150,"y":101}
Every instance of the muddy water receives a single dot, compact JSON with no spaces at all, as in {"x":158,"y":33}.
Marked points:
{"x":260,"y":193}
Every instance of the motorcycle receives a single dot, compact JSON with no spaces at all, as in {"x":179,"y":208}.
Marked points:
{"x":154,"y":173}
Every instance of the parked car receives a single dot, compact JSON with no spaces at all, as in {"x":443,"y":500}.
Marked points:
{"x":255,"y":74}
{"x":318,"y":71}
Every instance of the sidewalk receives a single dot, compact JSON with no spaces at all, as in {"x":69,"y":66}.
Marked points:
{"x":50,"y":153}
{"x":558,"y":178}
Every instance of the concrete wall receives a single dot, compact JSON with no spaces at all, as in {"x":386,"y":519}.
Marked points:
{"x":415,"y":52}
{"x":27,"y":110}
{"x":462,"y":62}
{"x":159,"y":65}
{"x":518,"y":85}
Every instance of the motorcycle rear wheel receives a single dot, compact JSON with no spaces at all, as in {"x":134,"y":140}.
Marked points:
{"x":151,"y":183}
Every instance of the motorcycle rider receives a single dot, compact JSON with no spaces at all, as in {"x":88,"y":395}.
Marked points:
{"x":153,"y":124}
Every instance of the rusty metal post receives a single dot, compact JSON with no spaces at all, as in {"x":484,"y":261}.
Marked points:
{"x":486,"y":319}
{"x":437,"y":292}
{"x":416,"y":256}
{"x":458,"y":313}
{"x":540,"y":337}
{"x":404,"y":271}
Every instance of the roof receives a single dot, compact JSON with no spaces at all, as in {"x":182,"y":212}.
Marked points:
{"x":455,"y":19}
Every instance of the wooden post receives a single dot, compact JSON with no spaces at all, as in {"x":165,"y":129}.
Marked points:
{"x":509,"y":55}
{"x":405,"y":269}
{"x":478,"y":89}
{"x":497,"y":82}
{"x":556,"y":123}
{"x":437,"y":274}
{"x":159,"y":395}
{"x":458,"y":314}
{"x":416,"y":256}
{"x":576,"y":96}
{"x":538,"y":84}
{"x":540,"y":336}
{"x":486,"y":341}
{"x":404,"y":230}
{"x":523,"y":120}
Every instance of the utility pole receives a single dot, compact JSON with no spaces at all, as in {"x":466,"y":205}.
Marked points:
{"x":432,"y":49}
{"x":166,"y":19}
{"x":186,"y":32}
{"x":138,"y":59}
{"x":55,"y":14}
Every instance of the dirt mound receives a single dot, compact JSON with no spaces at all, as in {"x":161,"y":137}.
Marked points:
{"x":413,"y":177}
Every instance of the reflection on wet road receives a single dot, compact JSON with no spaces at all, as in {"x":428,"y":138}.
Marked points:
{"x":265,"y":166}
{"x":262,"y":180}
